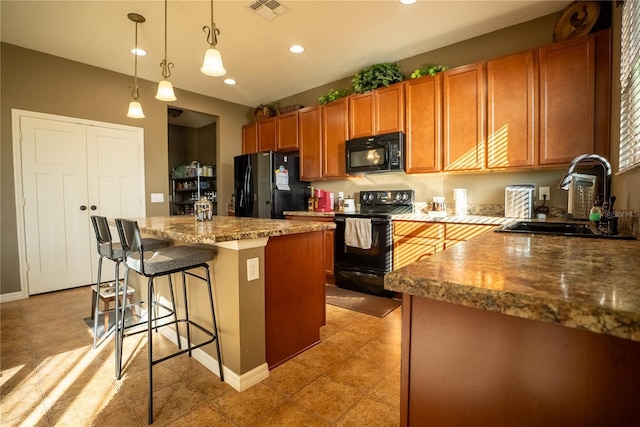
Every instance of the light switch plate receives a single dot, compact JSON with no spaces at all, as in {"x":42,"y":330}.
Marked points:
{"x":157,"y":197}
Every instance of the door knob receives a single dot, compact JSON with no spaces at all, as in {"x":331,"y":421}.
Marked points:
{"x":93,"y":207}
{"x":83,"y":208}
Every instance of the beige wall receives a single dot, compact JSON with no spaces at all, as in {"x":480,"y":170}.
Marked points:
{"x":38,"y":82}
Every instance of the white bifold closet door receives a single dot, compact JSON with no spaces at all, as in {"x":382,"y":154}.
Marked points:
{"x":71,"y":171}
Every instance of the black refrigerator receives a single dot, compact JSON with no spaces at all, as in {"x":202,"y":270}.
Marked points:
{"x":267,"y":184}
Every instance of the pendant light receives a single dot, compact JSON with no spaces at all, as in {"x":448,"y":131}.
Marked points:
{"x":165,"y":89}
{"x":212,"y":65}
{"x":135,"y":109}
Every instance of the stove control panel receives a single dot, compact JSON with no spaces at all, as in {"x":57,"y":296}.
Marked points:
{"x":388,"y":197}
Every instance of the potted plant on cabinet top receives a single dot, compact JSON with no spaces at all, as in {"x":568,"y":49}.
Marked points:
{"x":375,"y":76}
{"x":428,"y":70}
{"x":334,"y":95}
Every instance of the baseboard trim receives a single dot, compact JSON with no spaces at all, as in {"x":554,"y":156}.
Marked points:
{"x":238,"y":382}
{"x":13,"y":296}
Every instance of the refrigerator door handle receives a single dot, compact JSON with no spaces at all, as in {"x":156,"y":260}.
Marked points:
{"x":248,"y":190}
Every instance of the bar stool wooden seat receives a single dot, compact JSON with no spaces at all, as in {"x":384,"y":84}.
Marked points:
{"x":111,"y":250}
{"x":165,"y":262}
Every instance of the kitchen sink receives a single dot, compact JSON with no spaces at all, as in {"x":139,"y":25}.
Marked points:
{"x":556,"y":228}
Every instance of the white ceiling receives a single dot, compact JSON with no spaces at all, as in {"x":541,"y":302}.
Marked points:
{"x":340,"y":37}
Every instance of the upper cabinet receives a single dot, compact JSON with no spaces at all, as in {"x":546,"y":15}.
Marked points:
{"x":287,"y":132}
{"x":250,"y":138}
{"x":267,"y":134}
{"x":464,"y":117}
{"x":512,"y":110}
{"x":423,"y":124}
{"x":310,"y":140}
{"x":567,"y":100}
{"x":377,"y":112}
{"x":335,"y":132}
{"x":534,"y":109}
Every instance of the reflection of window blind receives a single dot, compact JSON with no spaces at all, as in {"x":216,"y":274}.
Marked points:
{"x":630,"y":86}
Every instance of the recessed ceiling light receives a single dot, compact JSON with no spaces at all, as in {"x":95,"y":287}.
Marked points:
{"x":296,"y":48}
{"x":408,"y":1}
{"x":230,"y":82}
{"x":139,"y":52}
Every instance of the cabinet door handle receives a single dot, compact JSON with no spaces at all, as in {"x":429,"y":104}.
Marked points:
{"x":83,"y":208}
{"x":93,"y":207}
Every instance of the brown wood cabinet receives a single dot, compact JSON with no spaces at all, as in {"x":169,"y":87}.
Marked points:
{"x":328,"y":236}
{"x":512,"y":110}
{"x":287,"y":132}
{"x":377,"y":112}
{"x":414,"y":240}
{"x":507,"y":370}
{"x":335,"y":132}
{"x":294,"y":308}
{"x":250,"y":138}
{"x":310,"y":141}
{"x":329,"y":239}
{"x":424,"y":124}
{"x":567,"y":100}
{"x":267,"y":134}
{"x":456,"y":233}
{"x":361,"y":115}
{"x":464,"y":128}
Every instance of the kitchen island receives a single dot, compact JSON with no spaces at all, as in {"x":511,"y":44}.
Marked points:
{"x":266,"y":315}
{"x":522,"y":330}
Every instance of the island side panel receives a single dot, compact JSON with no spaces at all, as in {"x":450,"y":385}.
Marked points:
{"x":294,"y":295}
{"x":239,"y":309}
{"x":466,"y":366}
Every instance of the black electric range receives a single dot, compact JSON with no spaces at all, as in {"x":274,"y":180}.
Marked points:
{"x":363,"y":269}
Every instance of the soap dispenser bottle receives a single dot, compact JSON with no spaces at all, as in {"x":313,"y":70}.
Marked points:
{"x":596,"y":210}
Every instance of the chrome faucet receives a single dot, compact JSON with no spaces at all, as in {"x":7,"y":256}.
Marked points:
{"x":566,"y":180}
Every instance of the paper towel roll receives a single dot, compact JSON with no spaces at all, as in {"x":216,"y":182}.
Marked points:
{"x":460,"y":197}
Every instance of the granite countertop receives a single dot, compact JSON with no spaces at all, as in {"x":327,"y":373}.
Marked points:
{"x":590,"y":284}
{"x":224,"y":228}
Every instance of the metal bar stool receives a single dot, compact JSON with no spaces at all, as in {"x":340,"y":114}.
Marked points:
{"x":164,"y":262}
{"x":111,"y":250}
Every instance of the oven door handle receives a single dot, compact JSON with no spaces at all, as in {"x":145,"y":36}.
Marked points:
{"x":373,"y":220}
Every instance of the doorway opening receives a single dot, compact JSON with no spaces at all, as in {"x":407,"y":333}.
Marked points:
{"x":192,"y":143}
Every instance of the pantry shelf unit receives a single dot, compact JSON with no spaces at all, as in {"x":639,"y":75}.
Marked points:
{"x":184,"y":193}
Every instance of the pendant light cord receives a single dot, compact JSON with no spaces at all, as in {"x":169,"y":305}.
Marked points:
{"x":212,"y":32}
{"x":166,"y":66}
{"x":134,"y":92}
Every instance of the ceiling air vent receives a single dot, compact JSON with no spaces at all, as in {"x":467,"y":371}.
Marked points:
{"x":268,"y":9}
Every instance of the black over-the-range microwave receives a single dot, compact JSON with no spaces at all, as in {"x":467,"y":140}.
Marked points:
{"x":380,"y":153}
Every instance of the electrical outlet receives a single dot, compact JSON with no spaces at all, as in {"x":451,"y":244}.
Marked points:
{"x":544,"y":191}
{"x":253,"y":269}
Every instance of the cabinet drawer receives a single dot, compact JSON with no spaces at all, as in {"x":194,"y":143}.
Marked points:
{"x":466,"y":231}
{"x":405,"y":253}
{"x":418,"y":229}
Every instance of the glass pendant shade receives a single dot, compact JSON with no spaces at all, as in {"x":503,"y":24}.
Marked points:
{"x":213,"y":63}
{"x":165,"y":91}
{"x":135,"y":110}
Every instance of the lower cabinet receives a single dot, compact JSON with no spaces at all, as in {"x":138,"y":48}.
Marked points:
{"x":327,"y":259}
{"x":414,"y":240}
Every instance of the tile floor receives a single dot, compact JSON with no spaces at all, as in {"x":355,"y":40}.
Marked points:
{"x":50,"y":375}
